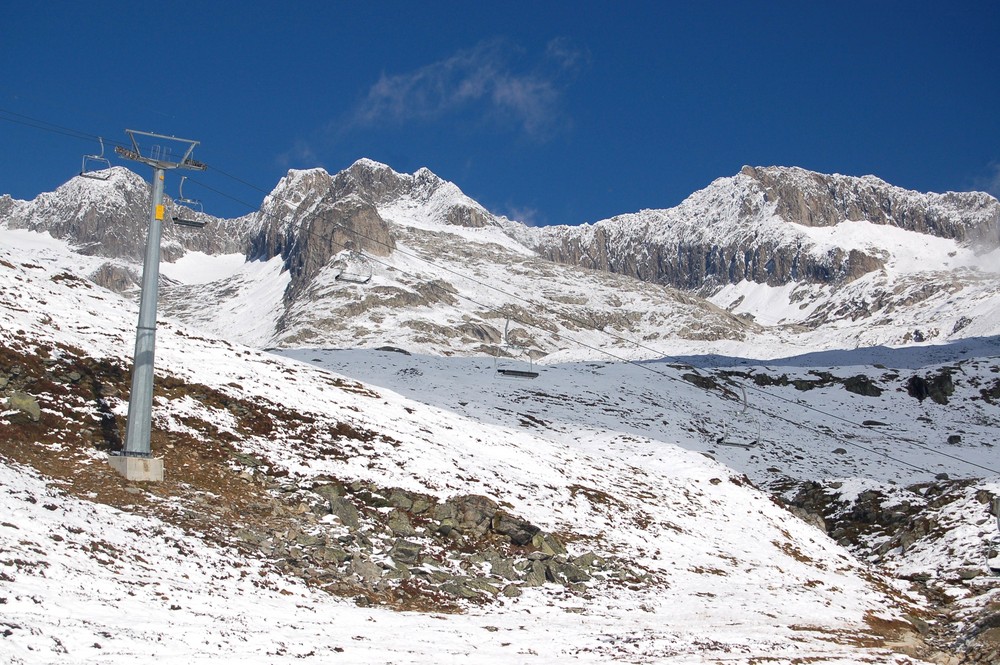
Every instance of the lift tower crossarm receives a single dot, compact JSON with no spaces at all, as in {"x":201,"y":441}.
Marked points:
{"x":156,"y":160}
{"x":135,"y":461}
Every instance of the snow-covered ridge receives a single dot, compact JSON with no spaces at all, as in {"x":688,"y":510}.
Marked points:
{"x":817,"y":238}
{"x":760,"y":244}
{"x":897,"y":203}
{"x":749,"y":205}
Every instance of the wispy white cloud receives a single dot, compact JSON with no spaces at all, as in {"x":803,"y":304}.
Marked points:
{"x":533,"y":102}
{"x":527,"y":215}
{"x":991,"y":181}
{"x":562,"y":52}
{"x":484,"y":82}
{"x":298,"y":156}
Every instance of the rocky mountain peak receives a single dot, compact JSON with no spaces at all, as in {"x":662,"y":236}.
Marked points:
{"x":370,"y":180}
{"x":107,"y":216}
{"x":102,"y":217}
{"x":311,"y":216}
{"x":821,"y":200}
{"x":120,"y":188}
{"x":387,"y":189}
{"x":756,"y":226}
{"x":295,"y":193}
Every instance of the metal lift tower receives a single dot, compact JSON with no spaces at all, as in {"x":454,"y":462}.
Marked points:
{"x":136,"y":461}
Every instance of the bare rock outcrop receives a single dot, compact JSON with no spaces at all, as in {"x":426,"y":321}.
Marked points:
{"x":109,"y":218}
{"x":115,"y":277}
{"x":306,"y":222}
{"x":815,"y":199}
{"x":751,"y":227}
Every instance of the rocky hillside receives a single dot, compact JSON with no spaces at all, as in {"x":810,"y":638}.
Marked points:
{"x":757,"y":226}
{"x":108,"y":218}
{"x":935,"y":535}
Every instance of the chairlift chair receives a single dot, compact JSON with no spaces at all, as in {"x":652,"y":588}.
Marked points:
{"x":511,"y":366}
{"x":191,"y":204}
{"x":743,"y":417}
{"x":96,"y":166}
{"x":357,"y":269}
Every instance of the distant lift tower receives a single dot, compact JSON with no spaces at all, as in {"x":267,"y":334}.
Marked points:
{"x":135,"y":461}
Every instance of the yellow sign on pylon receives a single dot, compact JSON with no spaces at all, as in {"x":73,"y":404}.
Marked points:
{"x":159,"y":212}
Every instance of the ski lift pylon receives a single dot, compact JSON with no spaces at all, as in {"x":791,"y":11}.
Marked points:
{"x":511,"y":367}
{"x":743,"y":417}
{"x":96,"y":166}
{"x":193,"y":205}
{"x":996,"y":509}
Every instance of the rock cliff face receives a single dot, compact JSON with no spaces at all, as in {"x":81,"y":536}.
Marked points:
{"x":384,"y":188}
{"x":311,"y":216}
{"x":109,"y":218}
{"x":6,"y":206}
{"x":754,"y":226}
{"x":306,"y":221}
{"x":814,"y":199}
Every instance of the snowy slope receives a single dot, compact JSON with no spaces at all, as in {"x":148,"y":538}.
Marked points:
{"x":814,"y":430}
{"x":729,"y":574}
{"x":936,"y":286}
{"x":623,"y":460}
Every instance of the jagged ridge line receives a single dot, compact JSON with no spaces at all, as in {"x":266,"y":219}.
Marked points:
{"x":58,"y":129}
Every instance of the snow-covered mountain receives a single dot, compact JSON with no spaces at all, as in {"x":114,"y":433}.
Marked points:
{"x":796,"y":248}
{"x":779,"y":225}
{"x":106,"y":216}
{"x":434,"y":258}
{"x":799,"y":260}
{"x":679,"y":484}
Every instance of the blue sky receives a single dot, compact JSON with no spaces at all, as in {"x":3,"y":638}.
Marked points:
{"x":551,"y":113}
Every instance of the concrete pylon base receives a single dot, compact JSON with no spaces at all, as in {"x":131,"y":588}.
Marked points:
{"x":142,"y":469}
